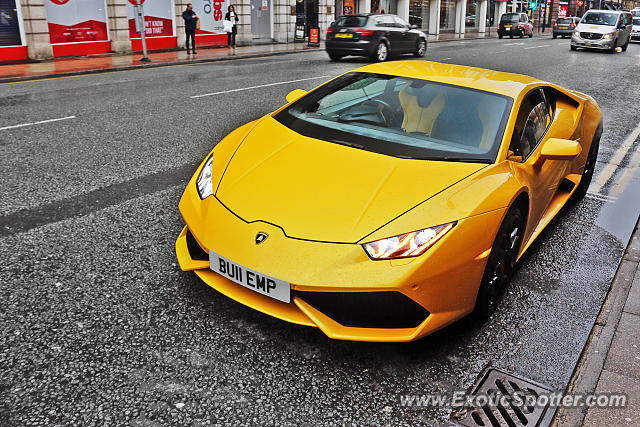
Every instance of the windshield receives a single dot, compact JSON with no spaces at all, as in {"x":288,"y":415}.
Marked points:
{"x":402,"y":117}
{"x":600,"y":18}
{"x":564,"y":20}
{"x":510,"y":18}
{"x":636,"y":21}
{"x":351,"y":21}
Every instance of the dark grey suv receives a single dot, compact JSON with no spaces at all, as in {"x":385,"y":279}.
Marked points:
{"x":373,"y":35}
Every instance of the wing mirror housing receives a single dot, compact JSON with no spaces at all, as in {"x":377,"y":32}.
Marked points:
{"x":295,"y":95}
{"x":558,"y":149}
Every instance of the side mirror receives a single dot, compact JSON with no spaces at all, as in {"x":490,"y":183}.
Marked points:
{"x":558,"y":149}
{"x":513,"y":158}
{"x":295,"y":94}
{"x":413,"y":27}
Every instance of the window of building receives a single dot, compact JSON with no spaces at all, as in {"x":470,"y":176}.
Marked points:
{"x":419,"y":14}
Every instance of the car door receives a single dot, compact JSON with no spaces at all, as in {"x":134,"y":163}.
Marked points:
{"x":387,"y":25}
{"x":535,"y":115}
{"x":409,"y":40}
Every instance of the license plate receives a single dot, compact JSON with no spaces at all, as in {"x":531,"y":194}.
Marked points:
{"x":507,"y":26}
{"x":587,"y":44}
{"x":258,"y":282}
{"x":563,"y":28}
{"x":344,"y":36}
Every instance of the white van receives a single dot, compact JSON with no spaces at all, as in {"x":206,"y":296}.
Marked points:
{"x":603,"y":29}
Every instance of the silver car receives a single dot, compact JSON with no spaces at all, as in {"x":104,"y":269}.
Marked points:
{"x":635,"y":32}
{"x":603,"y":29}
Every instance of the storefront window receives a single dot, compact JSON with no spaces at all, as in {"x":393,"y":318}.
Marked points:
{"x":470,"y":16}
{"x":158,"y":17}
{"x":419,"y":14}
{"x":72,"y":21}
{"x":9,"y":26}
{"x":447,"y":15}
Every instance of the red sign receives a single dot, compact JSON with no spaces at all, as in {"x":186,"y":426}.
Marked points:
{"x":580,"y":2}
{"x":563,"y":10}
{"x":313,"y":35}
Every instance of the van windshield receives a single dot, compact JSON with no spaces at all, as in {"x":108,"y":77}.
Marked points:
{"x":600,"y":18}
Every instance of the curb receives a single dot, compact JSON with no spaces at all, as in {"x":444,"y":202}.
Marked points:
{"x":586,"y":374}
{"x":152,"y":65}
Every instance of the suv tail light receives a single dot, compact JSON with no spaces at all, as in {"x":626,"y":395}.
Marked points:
{"x":364,"y":32}
{"x":572,"y":25}
{"x":555,"y":24}
{"x":329,"y":30}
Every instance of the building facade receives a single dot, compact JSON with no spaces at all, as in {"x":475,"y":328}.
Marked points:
{"x":39,"y":29}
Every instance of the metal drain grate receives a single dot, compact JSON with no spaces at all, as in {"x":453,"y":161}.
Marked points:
{"x":500,"y":399}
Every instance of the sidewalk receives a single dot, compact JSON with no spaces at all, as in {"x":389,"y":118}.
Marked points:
{"x":610,"y":361}
{"x":120,"y":62}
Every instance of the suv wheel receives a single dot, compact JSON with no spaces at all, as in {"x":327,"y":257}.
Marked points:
{"x":624,"y":46}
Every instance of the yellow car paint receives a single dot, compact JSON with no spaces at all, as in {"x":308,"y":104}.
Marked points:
{"x":317,"y":218}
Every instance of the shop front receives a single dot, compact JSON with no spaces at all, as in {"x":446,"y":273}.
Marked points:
{"x":160,"y":28}
{"x":77,"y":27}
{"x":12,"y":40}
{"x":211,"y":14}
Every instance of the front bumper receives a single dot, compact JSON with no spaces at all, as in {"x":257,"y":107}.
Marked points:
{"x":442,"y":284}
{"x":635,"y":36}
{"x":604,"y":44}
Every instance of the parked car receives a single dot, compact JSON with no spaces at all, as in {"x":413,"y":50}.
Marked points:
{"x":565,"y":26}
{"x":515,"y":24}
{"x":604,"y":30}
{"x":635,"y":31}
{"x":373,"y":35}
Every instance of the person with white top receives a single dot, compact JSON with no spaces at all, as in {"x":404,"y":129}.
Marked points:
{"x":233,"y":17}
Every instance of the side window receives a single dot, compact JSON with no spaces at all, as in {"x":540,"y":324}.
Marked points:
{"x":532,"y":122}
{"x":387,"y":21}
{"x":400,"y":23}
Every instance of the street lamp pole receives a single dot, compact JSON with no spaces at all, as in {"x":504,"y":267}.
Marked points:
{"x":143,"y":30}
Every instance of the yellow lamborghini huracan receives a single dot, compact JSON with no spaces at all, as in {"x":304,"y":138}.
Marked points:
{"x":390,"y":201}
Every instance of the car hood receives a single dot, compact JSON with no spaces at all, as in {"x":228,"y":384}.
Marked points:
{"x":322,"y":191}
{"x":599,"y":29}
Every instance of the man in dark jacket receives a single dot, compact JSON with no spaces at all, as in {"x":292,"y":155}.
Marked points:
{"x":190,"y":20}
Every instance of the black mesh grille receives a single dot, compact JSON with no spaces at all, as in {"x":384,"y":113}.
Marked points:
{"x":195,"y":251}
{"x":591,"y":36}
{"x":367,"y":309}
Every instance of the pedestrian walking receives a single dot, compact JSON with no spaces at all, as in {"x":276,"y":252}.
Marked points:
{"x":190,"y":22}
{"x":232,"y":17}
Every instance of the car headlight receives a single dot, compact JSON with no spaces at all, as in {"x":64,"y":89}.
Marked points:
{"x":576,"y":33}
{"x":608,"y":36}
{"x":205,"y":184}
{"x":408,"y":244}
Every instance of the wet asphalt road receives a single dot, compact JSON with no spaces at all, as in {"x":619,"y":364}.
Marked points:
{"x":100,"y":326}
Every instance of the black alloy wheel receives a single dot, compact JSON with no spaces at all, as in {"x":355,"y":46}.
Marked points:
{"x":335,"y":56}
{"x":500,"y":264}
{"x":381,"y":53}
{"x":590,"y":165}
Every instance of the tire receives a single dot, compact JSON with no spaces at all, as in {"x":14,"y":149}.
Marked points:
{"x":573,"y":47}
{"x":531,"y":34}
{"x":555,"y":36}
{"x":613,"y":48}
{"x":587,"y":172}
{"x":500,"y":36}
{"x":335,"y":56}
{"x":625,"y":46}
{"x":381,"y":53}
{"x":500,"y":264}
{"x":421,"y":48}
{"x":522,"y":34}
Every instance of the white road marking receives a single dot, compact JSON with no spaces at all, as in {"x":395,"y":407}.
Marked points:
{"x":258,"y":86}
{"x":626,"y":176}
{"x":37,"y":123}
{"x":610,"y":168}
{"x":601,"y":197}
{"x":513,"y":44}
{"x":445,"y":59}
{"x":536,"y":47}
